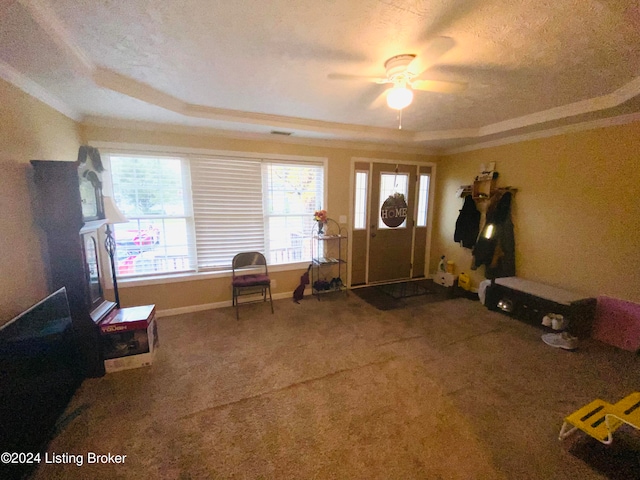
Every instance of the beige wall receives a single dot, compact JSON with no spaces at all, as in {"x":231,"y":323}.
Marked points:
{"x":28,"y":130}
{"x":576,"y":212}
{"x":202,"y":292}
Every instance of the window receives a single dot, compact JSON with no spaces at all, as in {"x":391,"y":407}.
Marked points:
{"x":423,"y":200}
{"x":195,"y":213}
{"x":391,"y":183}
{"x":360,"y":210}
{"x":152,"y":194}
{"x":292,"y":194}
{"x":227,"y":205}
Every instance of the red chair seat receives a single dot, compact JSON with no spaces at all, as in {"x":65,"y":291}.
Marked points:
{"x":250,"y":280}
{"x":250,"y":283}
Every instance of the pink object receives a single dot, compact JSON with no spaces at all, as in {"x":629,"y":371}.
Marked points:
{"x":617,"y":323}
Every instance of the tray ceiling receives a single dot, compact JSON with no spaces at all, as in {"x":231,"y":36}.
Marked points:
{"x":257,"y":66}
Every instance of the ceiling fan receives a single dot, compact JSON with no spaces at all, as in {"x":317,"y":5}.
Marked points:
{"x":405,"y":73}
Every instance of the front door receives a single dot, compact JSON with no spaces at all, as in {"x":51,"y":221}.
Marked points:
{"x":386,"y":253}
{"x":391,"y":224}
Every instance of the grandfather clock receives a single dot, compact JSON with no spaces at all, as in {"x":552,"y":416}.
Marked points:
{"x":71,"y":211}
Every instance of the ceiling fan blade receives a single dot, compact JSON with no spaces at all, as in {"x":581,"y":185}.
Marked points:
{"x":439,"y":86}
{"x":343,"y":76}
{"x":380,"y":101}
{"x":437,"y":48}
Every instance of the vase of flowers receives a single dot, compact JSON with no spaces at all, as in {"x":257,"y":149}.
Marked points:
{"x":320,"y":216}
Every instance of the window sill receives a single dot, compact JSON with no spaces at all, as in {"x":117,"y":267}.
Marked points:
{"x":196,"y":276}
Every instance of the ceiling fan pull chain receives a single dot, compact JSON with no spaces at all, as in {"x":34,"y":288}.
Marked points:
{"x":400,"y":119}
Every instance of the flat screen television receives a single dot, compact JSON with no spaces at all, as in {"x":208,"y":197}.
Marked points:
{"x":39,"y":373}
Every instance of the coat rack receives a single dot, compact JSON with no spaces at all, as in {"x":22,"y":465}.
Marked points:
{"x":483,"y":189}
{"x":484,"y":186}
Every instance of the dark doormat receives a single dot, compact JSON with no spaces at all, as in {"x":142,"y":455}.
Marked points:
{"x":404,"y":289}
{"x":403,"y":294}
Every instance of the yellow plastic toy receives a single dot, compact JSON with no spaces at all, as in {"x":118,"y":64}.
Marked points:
{"x":601,"y":419}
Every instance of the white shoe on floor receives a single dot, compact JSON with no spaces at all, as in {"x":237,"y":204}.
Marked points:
{"x":558,"y":322}
{"x":561,"y":340}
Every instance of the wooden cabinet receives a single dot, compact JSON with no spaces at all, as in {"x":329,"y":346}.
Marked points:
{"x":71,"y":216}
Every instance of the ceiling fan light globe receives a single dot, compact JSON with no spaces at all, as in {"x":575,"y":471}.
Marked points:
{"x":399,"y":98}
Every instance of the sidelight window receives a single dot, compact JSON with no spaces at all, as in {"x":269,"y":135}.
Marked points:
{"x":360,"y":210}
{"x":423,"y":200}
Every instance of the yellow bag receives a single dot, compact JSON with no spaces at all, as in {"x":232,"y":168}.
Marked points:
{"x":464,"y":281}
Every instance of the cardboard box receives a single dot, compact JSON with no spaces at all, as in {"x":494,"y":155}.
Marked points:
{"x":129,"y":338}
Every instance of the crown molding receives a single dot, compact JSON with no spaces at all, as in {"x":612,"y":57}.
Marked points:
{"x":610,"y":100}
{"x":107,"y":122}
{"x":552,"y":132}
{"x":11,"y":75}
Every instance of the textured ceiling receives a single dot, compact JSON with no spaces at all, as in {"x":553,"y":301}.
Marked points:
{"x":255,"y":66}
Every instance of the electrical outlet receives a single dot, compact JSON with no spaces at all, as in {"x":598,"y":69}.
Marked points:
{"x":274,"y":283}
{"x":342,"y":219}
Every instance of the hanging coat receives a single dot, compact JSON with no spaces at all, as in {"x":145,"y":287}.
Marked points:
{"x":468,"y":223}
{"x":495,"y":247}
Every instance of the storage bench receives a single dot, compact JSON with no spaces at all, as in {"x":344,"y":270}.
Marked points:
{"x":531,"y":301}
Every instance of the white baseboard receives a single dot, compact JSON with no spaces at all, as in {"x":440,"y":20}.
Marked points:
{"x":211,"y":306}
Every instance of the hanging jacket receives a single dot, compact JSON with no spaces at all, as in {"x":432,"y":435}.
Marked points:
{"x":468,"y":223}
{"x":495,"y":247}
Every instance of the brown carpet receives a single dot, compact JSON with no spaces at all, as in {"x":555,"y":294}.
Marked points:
{"x":339,"y":389}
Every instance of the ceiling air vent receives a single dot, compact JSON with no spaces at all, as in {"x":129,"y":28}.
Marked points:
{"x":279,"y":132}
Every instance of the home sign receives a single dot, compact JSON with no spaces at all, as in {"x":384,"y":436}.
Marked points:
{"x":394,"y":210}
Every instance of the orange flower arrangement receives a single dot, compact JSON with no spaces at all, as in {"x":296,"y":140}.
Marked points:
{"x":320,"y":216}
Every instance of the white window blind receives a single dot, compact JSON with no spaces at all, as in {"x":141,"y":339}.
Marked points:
{"x":228,"y":209}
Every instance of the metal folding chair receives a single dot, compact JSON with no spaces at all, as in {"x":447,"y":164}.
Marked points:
{"x":250,"y":277}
